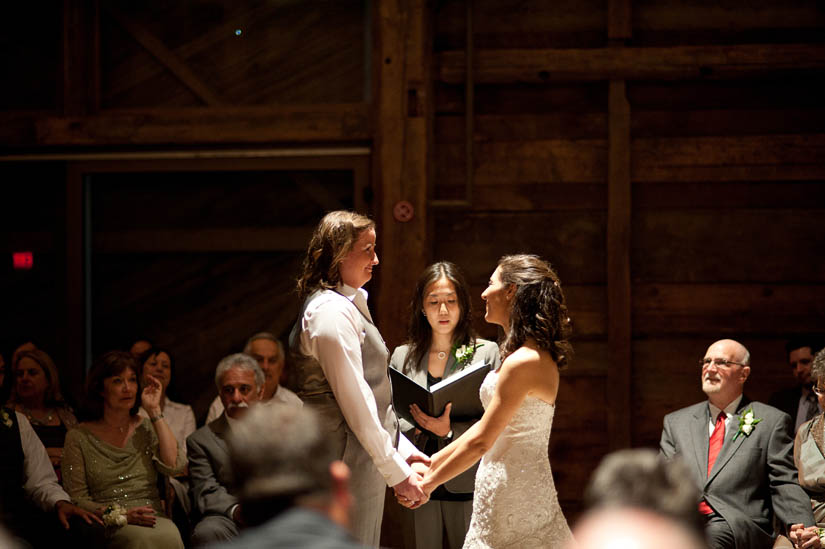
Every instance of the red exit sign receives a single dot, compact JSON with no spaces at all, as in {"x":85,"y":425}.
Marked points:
{"x":22,"y":261}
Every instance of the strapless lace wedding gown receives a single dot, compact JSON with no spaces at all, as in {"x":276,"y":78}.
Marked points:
{"x":515,"y":502}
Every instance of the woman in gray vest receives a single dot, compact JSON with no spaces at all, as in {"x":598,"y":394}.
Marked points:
{"x":440,"y":343}
{"x":339,"y":368}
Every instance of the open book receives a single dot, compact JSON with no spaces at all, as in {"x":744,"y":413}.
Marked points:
{"x":461,"y":389}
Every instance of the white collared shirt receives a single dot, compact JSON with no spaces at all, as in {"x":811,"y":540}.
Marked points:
{"x":730,"y":410}
{"x":332,"y":333}
{"x":41,"y":481}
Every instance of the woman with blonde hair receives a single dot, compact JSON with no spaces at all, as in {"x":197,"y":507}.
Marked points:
{"x":36,"y":394}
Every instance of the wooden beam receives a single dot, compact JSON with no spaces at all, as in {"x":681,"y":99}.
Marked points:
{"x":618,"y":268}
{"x":75,"y":307}
{"x":165,"y":56}
{"x":291,"y":123}
{"x":619,"y":20}
{"x":81,"y":63}
{"x":660,"y":63}
{"x":402,"y":163}
{"x":204,"y":240}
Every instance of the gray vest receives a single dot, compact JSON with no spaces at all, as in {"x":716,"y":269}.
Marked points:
{"x":308,"y":381}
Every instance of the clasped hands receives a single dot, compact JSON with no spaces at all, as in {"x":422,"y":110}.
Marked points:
{"x":410,"y":492}
{"x":804,"y":538}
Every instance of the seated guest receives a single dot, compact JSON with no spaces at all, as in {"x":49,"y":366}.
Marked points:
{"x":29,"y":486}
{"x":292,"y":492}
{"x":139,"y":347}
{"x":269,"y":352}
{"x":36,"y":394}
{"x":158,"y":363}
{"x":240,"y":383}
{"x":799,"y":401}
{"x":112,"y":460}
{"x":739,"y":456}
{"x":641,"y":479}
{"x":809,"y":446}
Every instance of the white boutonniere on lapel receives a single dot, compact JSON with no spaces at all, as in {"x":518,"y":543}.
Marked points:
{"x":746,"y":424}
{"x":5,"y":418}
{"x":464,"y":354}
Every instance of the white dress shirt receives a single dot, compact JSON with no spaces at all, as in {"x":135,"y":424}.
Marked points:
{"x":332,"y":333}
{"x":730,"y":409}
{"x":41,"y":481}
{"x":282,"y":396}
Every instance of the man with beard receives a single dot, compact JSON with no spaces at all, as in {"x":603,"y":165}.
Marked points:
{"x":240,"y":383}
{"x":740,"y":455}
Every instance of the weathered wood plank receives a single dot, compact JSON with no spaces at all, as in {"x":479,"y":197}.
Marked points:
{"x":291,"y":123}
{"x":619,"y":20}
{"x":728,"y":246}
{"x":727,"y":308}
{"x":689,"y":159}
{"x":618,"y":267}
{"x":165,"y":56}
{"x":80,"y":67}
{"x":203,"y":240}
{"x":766,"y":195}
{"x":740,"y":158}
{"x":662,"y":63}
{"x":523,"y":127}
{"x":726,"y":122}
{"x":402,"y":161}
{"x":572,"y":241}
{"x":551,"y":160}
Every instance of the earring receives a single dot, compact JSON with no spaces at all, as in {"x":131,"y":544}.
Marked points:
{"x":423,"y":313}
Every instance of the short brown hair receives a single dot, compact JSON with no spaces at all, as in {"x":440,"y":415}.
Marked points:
{"x":109,"y":364}
{"x":331,"y":241}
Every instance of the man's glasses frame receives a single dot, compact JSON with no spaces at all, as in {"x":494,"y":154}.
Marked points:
{"x":719,"y":363}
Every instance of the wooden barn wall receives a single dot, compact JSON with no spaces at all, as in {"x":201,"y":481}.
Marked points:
{"x":666,"y":156}
{"x":725,"y":198}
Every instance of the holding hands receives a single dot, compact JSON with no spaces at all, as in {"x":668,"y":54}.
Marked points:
{"x":409,"y":492}
{"x":804,"y":538}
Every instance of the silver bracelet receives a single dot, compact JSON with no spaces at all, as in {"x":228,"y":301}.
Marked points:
{"x":156,"y":418}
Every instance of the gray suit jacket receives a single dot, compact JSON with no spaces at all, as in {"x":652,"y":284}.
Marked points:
{"x":752,"y":478}
{"x":465,"y":482}
{"x":210,"y":473}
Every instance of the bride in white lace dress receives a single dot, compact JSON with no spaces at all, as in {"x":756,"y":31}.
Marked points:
{"x":515,"y":502}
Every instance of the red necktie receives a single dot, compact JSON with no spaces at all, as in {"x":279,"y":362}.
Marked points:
{"x":717,"y":439}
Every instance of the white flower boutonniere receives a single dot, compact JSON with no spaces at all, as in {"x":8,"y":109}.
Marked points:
{"x":464,"y":354}
{"x":746,"y":424}
{"x":5,"y":418}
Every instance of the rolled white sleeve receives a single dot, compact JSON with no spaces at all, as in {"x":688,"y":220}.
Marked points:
{"x":41,"y":482}
{"x":332,"y":333}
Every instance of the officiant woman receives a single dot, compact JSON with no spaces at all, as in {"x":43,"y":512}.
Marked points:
{"x":440,"y":343}
{"x":339,"y":368}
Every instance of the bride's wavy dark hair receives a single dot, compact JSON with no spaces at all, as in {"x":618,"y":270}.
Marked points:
{"x":539,"y":309}
{"x":419,"y":331}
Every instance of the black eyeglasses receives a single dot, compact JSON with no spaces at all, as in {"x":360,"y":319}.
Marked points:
{"x":718,"y":362}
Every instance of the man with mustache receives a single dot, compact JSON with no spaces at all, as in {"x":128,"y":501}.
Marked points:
{"x":740,"y":455}
{"x":217,"y":513}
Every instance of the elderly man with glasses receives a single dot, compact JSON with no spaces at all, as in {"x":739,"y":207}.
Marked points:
{"x":739,"y":453}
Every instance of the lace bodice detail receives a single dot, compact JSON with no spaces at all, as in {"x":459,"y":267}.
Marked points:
{"x":515,"y":503}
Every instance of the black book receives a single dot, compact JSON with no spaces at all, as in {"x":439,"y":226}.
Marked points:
{"x":461,"y":389}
